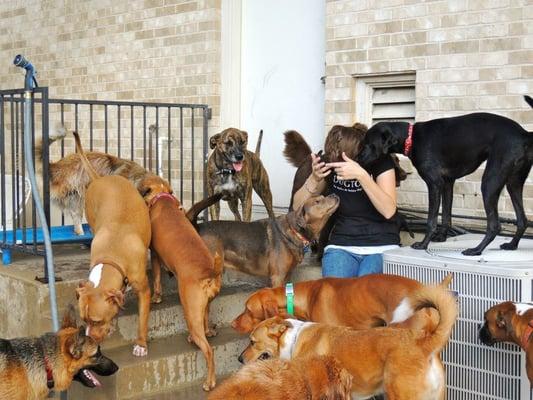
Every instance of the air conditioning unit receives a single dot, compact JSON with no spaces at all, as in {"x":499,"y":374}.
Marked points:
{"x":475,"y":371}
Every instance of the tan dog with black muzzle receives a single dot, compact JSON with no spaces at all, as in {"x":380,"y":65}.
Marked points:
{"x":510,"y":322}
{"x":233,"y":171}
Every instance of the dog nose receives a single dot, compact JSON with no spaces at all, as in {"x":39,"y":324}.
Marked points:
{"x":239,"y":157}
{"x":241,"y":360}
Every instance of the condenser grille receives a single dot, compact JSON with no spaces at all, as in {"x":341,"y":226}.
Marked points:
{"x":473,"y":370}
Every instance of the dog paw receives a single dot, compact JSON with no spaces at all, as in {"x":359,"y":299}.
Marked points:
{"x":211,"y":332}
{"x":471,"y":252}
{"x":156,"y":298}
{"x":439,"y":237}
{"x":508,"y":246}
{"x":189,"y":339}
{"x":419,"y":246}
{"x":207,"y":386}
{"x":78,"y":230}
{"x":140,"y":351}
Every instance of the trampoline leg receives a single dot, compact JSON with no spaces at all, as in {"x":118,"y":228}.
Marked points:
{"x":6,"y":256}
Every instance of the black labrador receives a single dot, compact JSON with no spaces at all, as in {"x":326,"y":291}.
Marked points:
{"x":445,"y":149}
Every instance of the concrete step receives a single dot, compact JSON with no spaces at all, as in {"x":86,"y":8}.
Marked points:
{"x":172,"y":364}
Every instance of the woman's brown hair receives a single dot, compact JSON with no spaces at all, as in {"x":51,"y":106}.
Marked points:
{"x":347,"y":139}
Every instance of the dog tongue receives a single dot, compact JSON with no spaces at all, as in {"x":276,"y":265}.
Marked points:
{"x":237,"y":166}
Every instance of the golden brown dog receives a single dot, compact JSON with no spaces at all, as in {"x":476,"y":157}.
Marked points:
{"x":402,"y":363}
{"x":69,"y":180}
{"x":233,"y":171}
{"x":119,"y":220}
{"x":178,"y":246}
{"x":266,"y":247}
{"x":510,"y":322}
{"x":318,"y":377}
{"x":31,"y":367}
{"x":369,"y":301}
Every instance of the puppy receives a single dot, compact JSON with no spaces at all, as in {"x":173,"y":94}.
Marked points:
{"x":32,"y":367}
{"x":380,"y":299}
{"x":267,"y":247}
{"x":234,"y":171}
{"x":400,"y":362}
{"x":443,"y":150}
{"x":119,"y":220}
{"x":510,"y":322}
{"x":318,"y":377}
{"x":69,"y":180}
{"x":178,"y":246}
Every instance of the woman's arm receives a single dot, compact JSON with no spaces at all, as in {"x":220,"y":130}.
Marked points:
{"x":315,"y":183}
{"x":382,"y":192}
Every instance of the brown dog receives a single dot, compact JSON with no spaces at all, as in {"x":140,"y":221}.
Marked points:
{"x":233,"y":171}
{"x":31,"y":367}
{"x":267,"y":247}
{"x":319,"y":377}
{"x":510,"y":322}
{"x":69,"y":181}
{"x":178,"y":246}
{"x":369,"y":301}
{"x":119,"y":220}
{"x":402,"y":363}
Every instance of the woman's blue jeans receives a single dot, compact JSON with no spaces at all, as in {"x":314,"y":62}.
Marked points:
{"x":343,"y":264}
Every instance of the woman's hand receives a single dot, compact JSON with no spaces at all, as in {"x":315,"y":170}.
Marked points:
{"x":348,"y":169}
{"x":320,"y":169}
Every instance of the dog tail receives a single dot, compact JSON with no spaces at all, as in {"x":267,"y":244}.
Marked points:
{"x":59,"y":133}
{"x":296,"y":149}
{"x":529,"y":100}
{"x":197,"y":208}
{"x":258,"y":145}
{"x":444,"y":302}
{"x":445,"y":284}
{"x":86,"y":164}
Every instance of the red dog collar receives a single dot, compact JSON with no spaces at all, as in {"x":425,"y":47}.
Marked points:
{"x":526,"y":335}
{"x":159,"y":196}
{"x":408,"y":142}
{"x":49,"y":375}
{"x":300,"y":237}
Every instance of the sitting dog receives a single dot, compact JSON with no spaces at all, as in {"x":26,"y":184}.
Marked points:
{"x":69,"y":181}
{"x":443,"y":150}
{"x":233,"y":171}
{"x":318,"y":377}
{"x":31,"y":367}
{"x":267,"y":247}
{"x":381,"y":299}
{"x":510,"y":322}
{"x":178,"y":246}
{"x":400,"y":362}
{"x":119,"y":220}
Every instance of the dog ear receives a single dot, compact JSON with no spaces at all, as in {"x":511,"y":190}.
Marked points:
{"x":75,"y":344}
{"x":115,"y":296}
{"x":213,"y":141}
{"x":278,"y":327}
{"x":270,"y":309}
{"x":82,"y":288}
{"x":69,"y":318}
{"x":389,"y":141}
{"x":245,"y":137}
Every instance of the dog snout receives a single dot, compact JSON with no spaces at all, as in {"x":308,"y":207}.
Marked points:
{"x":239,"y":156}
{"x":484,"y":334}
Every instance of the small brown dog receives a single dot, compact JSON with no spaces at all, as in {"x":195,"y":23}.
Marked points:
{"x":267,"y":247}
{"x":32,"y":367}
{"x":69,"y":181}
{"x":510,"y":322}
{"x":318,"y":377}
{"x":402,"y":363}
{"x":177,"y":245}
{"x":233,"y":171}
{"x":381,"y":299}
{"x":119,"y":220}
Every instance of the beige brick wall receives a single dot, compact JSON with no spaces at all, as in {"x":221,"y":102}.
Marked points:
{"x":468,"y":56}
{"x":140,"y":50}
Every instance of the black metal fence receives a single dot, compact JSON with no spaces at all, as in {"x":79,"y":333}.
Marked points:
{"x":176,"y":149}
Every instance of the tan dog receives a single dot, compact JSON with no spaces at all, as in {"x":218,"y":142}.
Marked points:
{"x":369,"y":301}
{"x":233,"y":171}
{"x":402,"y":363}
{"x":510,"y":322}
{"x":319,"y":377}
{"x":119,"y":220}
{"x":178,"y":246}
{"x":69,"y":180}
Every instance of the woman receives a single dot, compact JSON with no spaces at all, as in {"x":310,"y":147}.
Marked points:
{"x":365,"y":223}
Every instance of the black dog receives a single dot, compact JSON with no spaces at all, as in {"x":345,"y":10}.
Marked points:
{"x":443,"y":150}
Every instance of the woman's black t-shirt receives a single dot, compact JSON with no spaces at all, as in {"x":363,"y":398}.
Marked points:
{"x":357,"y":222}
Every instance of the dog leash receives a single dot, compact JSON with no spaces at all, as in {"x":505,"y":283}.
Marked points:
{"x":409,"y":141}
{"x":50,"y":383}
{"x":289,"y":296}
{"x":125,"y":281}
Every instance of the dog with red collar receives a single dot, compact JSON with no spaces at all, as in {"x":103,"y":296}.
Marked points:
{"x":267,"y":247}
{"x":510,"y":322}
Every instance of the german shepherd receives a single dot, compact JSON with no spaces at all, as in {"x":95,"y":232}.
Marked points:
{"x":31,"y":367}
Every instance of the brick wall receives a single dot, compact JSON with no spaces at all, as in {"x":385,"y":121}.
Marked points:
{"x":468,"y":56}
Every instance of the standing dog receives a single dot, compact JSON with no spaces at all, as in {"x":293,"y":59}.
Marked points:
{"x":443,"y":150}
{"x":319,"y":377}
{"x":234,"y":171}
{"x":178,"y":246}
{"x":31,"y":367}
{"x":267,"y":247}
{"x":367,"y":302}
{"x":510,"y":322}
{"x":119,"y":220}
{"x":402,"y":363}
{"x":69,"y":180}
